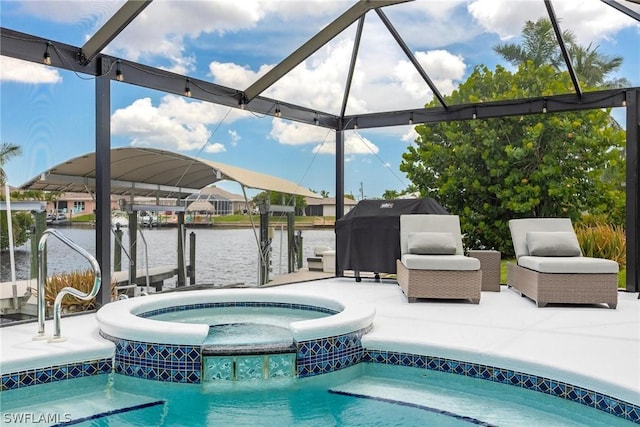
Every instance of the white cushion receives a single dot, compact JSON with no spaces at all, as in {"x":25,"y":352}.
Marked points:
{"x":429,"y":222}
{"x":318,"y":250}
{"x":553,"y":243}
{"x":431,"y":243}
{"x":577,"y":265}
{"x":520,"y":227}
{"x":440,"y":262}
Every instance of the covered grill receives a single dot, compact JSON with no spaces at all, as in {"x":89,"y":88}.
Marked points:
{"x":368,"y":236}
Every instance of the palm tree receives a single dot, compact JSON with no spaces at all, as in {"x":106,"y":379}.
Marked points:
{"x":390,"y":194}
{"x":540,"y":46}
{"x":593,"y":67}
{"x":7,"y":151}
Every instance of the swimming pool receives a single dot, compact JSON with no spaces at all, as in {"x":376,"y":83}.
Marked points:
{"x":363,"y":395}
{"x":376,"y":350}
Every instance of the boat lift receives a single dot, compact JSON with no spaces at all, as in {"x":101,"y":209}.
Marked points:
{"x":294,"y":239}
{"x":183,"y":269}
{"x":14,"y":301}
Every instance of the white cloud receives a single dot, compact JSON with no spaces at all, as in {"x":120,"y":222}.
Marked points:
{"x":234,"y":75}
{"x":215,"y":148}
{"x":293,"y":133}
{"x":163,"y":28}
{"x":354,"y":143}
{"x":16,"y":70}
{"x":174,"y":124}
{"x":589,"y":21}
{"x":234,"y":137}
{"x":410,"y":135}
{"x":444,"y":69}
{"x":76,"y":12}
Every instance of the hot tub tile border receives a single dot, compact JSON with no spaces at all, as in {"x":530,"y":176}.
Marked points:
{"x":573,"y":393}
{"x":257,"y":304}
{"x":156,"y":361}
{"x":324,"y":355}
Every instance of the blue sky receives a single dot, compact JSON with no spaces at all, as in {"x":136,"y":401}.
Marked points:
{"x":50,"y":113}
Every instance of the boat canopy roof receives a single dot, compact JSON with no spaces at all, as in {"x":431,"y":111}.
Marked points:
{"x":142,"y":171}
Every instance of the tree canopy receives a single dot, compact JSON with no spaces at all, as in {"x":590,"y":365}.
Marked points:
{"x":564,"y":164}
{"x":7,"y":151}
{"x":21,"y":220}
{"x":282,"y":199}
{"x":540,"y":46}
{"x":490,"y":171}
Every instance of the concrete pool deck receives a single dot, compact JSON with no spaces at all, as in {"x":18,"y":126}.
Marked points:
{"x":589,"y":346}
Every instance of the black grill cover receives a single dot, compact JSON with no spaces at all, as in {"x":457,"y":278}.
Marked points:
{"x":368,"y":236}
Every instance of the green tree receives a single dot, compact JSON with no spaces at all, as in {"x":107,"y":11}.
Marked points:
{"x":277,"y":198}
{"x":539,"y":45}
{"x":21,"y":221}
{"x":489,"y":171}
{"x":390,"y":194}
{"x":7,"y":151}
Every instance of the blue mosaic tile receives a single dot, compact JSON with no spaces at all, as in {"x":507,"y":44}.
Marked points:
{"x":558,"y":389}
{"x":330,"y":354}
{"x":543,"y":385}
{"x":605,"y":403}
{"x":161,"y":362}
{"x":198,"y":306}
{"x":49,"y":374}
{"x":632,"y":413}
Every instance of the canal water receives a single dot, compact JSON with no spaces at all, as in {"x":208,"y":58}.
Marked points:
{"x":223,"y":256}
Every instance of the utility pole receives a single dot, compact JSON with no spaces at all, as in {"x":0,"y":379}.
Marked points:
{"x":361,"y":191}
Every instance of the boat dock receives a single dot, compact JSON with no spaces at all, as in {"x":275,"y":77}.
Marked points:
{"x":157,"y":276}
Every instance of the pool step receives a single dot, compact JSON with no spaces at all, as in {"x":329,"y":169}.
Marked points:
{"x":407,"y":393}
{"x":85,"y":409}
{"x":479,"y":402}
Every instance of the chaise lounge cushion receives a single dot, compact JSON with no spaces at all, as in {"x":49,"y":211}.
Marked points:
{"x":440,"y":262}
{"x":431,"y":243}
{"x":573,"y":264}
{"x":553,"y":244}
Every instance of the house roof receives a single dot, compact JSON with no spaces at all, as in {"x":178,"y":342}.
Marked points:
{"x":219,"y":193}
{"x":329,"y":201}
{"x":201,"y":205}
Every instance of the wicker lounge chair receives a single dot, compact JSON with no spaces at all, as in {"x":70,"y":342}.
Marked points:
{"x":432,"y":263}
{"x":551,"y":269}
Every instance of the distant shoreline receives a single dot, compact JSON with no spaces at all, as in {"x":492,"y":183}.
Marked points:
{"x":225,"y":224}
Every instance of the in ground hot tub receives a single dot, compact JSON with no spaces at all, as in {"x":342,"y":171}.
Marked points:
{"x":266,"y":333}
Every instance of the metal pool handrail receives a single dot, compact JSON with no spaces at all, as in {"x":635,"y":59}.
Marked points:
{"x":64,"y":291}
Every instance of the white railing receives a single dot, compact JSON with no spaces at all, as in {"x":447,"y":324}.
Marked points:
{"x":42,"y":244}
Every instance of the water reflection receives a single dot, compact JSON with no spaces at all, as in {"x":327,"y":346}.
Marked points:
{"x":223,"y":256}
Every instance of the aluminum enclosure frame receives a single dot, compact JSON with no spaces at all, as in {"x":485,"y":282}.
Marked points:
{"x":108,"y":68}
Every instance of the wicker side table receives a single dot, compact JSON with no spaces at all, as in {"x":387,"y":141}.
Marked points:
{"x":490,"y":266}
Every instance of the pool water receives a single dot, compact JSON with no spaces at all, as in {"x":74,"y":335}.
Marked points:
{"x":363,"y":395}
{"x":243,"y":325}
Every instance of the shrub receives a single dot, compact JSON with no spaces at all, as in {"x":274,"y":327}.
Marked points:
{"x":80,"y":280}
{"x":603,"y":240}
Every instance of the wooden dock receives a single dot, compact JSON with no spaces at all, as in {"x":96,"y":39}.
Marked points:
{"x":302,"y":275}
{"x":157,"y":276}
{"x":23,"y":291}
